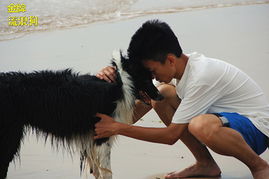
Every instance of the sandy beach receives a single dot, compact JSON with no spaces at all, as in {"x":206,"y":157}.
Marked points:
{"x":238,"y":35}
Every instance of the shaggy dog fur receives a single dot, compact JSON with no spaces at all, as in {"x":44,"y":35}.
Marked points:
{"x":63,"y":105}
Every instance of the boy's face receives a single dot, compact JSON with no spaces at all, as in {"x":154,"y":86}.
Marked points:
{"x":161,"y":72}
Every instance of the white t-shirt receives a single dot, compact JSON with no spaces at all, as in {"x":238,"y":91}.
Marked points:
{"x":212,"y":86}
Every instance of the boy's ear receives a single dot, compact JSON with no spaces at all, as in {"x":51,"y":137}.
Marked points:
{"x":171,"y":58}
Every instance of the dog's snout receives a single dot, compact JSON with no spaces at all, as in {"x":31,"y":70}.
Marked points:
{"x":158,"y":97}
{"x":155,"y":94}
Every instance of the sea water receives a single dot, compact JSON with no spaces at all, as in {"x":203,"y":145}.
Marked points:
{"x":30,"y":16}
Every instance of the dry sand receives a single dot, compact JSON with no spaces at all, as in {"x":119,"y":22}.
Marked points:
{"x":239,"y":35}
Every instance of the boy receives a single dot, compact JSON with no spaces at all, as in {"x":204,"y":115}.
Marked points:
{"x":211,"y":103}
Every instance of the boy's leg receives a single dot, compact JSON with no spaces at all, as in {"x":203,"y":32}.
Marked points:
{"x":140,"y":110}
{"x":167,"y":107}
{"x":209,"y":129}
{"x":205,"y":164}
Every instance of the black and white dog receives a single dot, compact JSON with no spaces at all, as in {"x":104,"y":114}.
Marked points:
{"x":63,"y":105}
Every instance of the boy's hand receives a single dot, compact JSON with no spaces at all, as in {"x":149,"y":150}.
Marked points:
{"x":106,"y":127}
{"x":108,"y":74}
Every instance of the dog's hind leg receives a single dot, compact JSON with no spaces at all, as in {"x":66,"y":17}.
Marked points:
{"x":10,"y":140}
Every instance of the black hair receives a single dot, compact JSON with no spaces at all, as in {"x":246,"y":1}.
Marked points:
{"x":153,"y":41}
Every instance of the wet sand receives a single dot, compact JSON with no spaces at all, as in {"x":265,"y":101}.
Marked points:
{"x":239,"y":35}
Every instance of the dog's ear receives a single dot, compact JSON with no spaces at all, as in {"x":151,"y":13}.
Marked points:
{"x":113,"y":63}
{"x":117,"y":58}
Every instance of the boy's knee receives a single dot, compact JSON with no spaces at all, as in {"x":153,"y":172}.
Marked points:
{"x":167,"y":90}
{"x":196,"y":125}
{"x":170,"y":96}
{"x":202,"y":127}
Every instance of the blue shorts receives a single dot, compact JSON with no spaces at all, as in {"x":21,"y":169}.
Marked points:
{"x":255,"y":138}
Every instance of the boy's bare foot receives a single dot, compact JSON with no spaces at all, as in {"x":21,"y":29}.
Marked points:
{"x":196,"y":170}
{"x":262,"y":173}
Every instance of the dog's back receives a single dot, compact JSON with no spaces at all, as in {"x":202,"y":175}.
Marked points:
{"x":62,"y":102}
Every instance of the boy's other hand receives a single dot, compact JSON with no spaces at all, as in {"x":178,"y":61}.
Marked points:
{"x":108,"y":74}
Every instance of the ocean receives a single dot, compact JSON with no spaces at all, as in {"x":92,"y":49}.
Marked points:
{"x":47,"y":15}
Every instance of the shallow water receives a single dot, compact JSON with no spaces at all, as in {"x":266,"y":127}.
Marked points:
{"x":58,"y":14}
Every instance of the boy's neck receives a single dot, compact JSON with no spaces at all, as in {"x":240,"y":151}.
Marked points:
{"x":181,"y":65}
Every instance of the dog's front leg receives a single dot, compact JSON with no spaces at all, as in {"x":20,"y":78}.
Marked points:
{"x":104,"y":152}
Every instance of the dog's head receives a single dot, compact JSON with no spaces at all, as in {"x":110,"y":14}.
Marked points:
{"x":141,"y":77}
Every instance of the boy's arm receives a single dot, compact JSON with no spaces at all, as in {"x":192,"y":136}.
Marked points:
{"x":167,"y":135}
